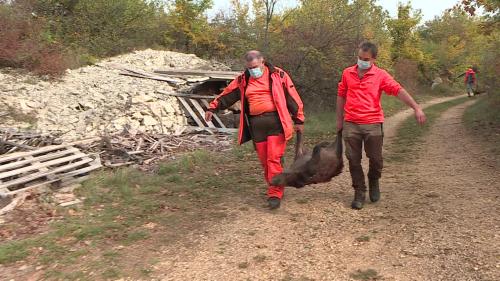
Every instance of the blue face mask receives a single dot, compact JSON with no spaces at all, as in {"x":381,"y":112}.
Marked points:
{"x":363,"y":64}
{"x":255,"y":72}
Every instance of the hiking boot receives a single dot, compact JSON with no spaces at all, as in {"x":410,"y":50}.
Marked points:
{"x":359,"y":199}
{"x":374,"y":190}
{"x":274,"y":202}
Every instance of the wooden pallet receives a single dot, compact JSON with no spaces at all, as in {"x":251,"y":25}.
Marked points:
{"x":50,"y":165}
{"x":196,"y":105}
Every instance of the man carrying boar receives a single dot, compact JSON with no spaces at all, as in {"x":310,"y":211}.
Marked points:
{"x":360,"y":115}
{"x":271,"y":110}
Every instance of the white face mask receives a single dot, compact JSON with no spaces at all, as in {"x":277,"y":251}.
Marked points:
{"x":364,"y":64}
{"x":256,"y":72}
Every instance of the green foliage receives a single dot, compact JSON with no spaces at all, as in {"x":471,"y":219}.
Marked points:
{"x":456,"y":41}
{"x":405,"y":41}
{"x":102,"y":27}
{"x":187,"y":26}
{"x":313,"y":41}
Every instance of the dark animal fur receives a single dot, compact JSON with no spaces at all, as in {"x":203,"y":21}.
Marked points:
{"x":324,"y":163}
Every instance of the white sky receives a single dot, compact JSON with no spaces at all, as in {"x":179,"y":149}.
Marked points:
{"x":430,"y":8}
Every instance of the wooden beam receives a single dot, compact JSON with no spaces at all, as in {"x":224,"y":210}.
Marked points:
{"x":200,"y":110}
{"x":205,"y":103}
{"x":229,"y":75}
{"x":215,"y":130}
{"x":17,"y":144}
{"x":191,"y":112}
{"x":45,"y":157}
{"x":44,"y":149}
{"x":38,"y":175}
{"x":37,"y":165}
{"x":186,"y":95}
{"x":155,"y":77}
{"x":61,"y":177}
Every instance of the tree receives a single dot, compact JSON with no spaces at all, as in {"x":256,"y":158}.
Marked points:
{"x":402,"y":30}
{"x":270,"y":5}
{"x":188,"y":26}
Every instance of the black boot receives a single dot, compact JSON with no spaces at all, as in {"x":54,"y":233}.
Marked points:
{"x":359,"y":199}
{"x":374,"y":190}
{"x":274,"y":202}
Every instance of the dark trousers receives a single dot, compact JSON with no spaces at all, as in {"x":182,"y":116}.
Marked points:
{"x":371,"y":136}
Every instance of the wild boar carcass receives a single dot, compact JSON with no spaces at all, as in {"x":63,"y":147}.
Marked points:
{"x":324,"y":163}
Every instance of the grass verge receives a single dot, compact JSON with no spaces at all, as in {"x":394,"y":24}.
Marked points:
{"x":482,"y":120}
{"x":128,"y":214}
{"x":409,"y":133}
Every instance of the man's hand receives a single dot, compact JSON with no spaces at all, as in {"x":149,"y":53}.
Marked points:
{"x":299,"y":128}
{"x":420,"y":116}
{"x":208,"y":115}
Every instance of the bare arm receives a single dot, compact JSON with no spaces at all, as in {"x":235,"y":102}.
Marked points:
{"x":408,"y":100}
{"x":340,"y":112}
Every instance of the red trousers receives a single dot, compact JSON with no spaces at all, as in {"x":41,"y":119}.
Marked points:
{"x":270,"y":153}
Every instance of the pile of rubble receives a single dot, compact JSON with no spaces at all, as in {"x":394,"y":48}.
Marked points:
{"x":97,"y":100}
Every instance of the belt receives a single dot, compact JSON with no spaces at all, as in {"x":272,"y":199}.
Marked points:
{"x":265,"y":114}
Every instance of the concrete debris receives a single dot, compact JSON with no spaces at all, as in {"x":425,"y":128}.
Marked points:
{"x":97,"y":100}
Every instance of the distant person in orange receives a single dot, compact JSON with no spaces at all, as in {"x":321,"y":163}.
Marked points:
{"x":360,"y":116}
{"x":470,"y":81}
{"x":271,"y":110}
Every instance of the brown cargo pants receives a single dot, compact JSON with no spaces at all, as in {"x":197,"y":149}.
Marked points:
{"x":371,"y":135}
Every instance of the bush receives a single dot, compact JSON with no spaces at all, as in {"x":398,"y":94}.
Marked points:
{"x":25,"y":44}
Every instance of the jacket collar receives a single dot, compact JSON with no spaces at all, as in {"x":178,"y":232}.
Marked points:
{"x":270,"y":66}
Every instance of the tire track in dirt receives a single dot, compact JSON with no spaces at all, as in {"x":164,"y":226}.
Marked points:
{"x":316,"y":236}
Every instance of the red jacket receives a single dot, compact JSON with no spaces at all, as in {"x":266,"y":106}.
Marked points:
{"x":362,"y":96}
{"x":468,"y":73}
{"x":285,"y":96}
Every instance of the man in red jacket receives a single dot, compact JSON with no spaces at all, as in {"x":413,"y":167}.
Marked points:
{"x":470,"y":81}
{"x":360,"y":115}
{"x":271,"y":110}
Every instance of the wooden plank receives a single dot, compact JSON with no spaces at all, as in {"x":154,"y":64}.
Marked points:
{"x":35,"y":176}
{"x":194,"y":72}
{"x":64,"y":176}
{"x":191,"y":112}
{"x":155,"y":77}
{"x":45,"y":157}
{"x":44,"y":149}
{"x":200,"y":110}
{"x":205,"y":103}
{"x":186,"y":95}
{"x":215,"y":130}
{"x":17,"y":144}
{"x":37,"y":165}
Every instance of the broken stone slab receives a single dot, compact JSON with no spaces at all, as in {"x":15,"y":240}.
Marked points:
{"x":149,"y":121}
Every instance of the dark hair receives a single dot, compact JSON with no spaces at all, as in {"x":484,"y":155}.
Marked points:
{"x":369,"y":47}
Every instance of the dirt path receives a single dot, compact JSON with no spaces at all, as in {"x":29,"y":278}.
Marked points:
{"x":437,"y":220}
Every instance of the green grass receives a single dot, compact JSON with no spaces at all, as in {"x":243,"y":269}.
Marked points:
{"x":120,"y":206}
{"x":483,"y":122}
{"x":409,"y":133}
